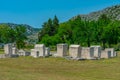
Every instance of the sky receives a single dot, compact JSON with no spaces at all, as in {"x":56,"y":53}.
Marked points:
{"x":36,"y":12}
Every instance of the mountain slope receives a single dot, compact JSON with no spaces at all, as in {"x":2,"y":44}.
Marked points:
{"x":30,"y":29}
{"x":112,"y":12}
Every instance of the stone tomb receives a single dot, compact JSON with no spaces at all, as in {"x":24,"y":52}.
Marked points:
{"x":14,"y":50}
{"x":8,"y":49}
{"x":62,"y":50}
{"x":113,"y":53}
{"x":96,"y":51}
{"x":75,"y":51}
{"x":106,"y":53}
{"x":47,"y":51}
{"x":34,"y":53}
{"x":87,"y":53}
{"x":41,"y":49}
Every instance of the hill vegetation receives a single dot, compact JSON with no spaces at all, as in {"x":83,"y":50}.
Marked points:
{"x":112,"y":12}
{"x":29,"y":29}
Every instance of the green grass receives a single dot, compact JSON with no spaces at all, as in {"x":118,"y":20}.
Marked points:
{"x":1,"y":51}
{"x":28,"y":68}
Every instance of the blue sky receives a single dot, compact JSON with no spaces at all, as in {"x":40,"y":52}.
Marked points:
{"x":35,"y":12}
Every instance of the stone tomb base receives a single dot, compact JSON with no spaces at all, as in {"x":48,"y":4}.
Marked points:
{"x":47,"y":51}
{"x":106,"y":53}
{"x":41,"y":49}
{"x":62,"y":50}
{"x":75,"y":51}
{"x":34,"y":53}
{"x":96,"y":51}
{"x":87,"y":53}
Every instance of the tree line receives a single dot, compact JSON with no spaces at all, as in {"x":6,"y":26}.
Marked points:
{"x":104,"y":32}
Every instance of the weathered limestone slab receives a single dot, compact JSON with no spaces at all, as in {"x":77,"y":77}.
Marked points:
{"x":34,"y":53}
{"x":96,"y":51}
{"x":14,"y":50}
{"x":87,"y":53}
{"x":8,"y":48}
{"x":41,"y":49}
{"x":62,"y":50}
{"x":47,"y":51}
{"x":75,"y":51}
{"x":106,"y":53}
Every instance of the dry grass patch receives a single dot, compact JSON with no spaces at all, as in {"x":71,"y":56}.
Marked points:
{"x":28,"y":68}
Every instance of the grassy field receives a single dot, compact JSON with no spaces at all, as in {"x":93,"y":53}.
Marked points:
{"x":1,"y":51}
{"x":28,"y":68}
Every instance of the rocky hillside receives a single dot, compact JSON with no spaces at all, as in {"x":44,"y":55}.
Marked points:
{"x":30,"y":29}
{"x":112,"y":12}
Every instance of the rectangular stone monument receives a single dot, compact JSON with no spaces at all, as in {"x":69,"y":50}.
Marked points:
{"x":34,"y":53}
{"x":96,"y":51}
{"x":75,"y":51}
{"x":14,"y":50}
{"x":112,"y":51}
{"x":8,"y":48}
{"x":47,"y":51}
{"x":87,"y":53}
{"x":41,"y":49}
{"x":62,"y":50}
{"x":105,"y":53}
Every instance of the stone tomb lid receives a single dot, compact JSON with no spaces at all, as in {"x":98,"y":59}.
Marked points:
{"x":39,"y":45}
{"x":95,"y":46}
{"x":21,"y":50}
{"x":61,"y":44}
{"x":74,"y":45}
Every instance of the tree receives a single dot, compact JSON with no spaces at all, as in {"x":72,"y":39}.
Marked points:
{"x":103,"y":22}
{"x":5,"y":33}
{"x":55,"y":24}
{"x":76,"y":30}
{"x":49,"y":28}
{"x":20,"y":36}
{"x":113,"y":33}
{"x":44,"y":30}
{"x":65,"y":32}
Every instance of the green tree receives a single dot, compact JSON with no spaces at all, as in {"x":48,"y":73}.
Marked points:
{"x":65,"y":32}
{"x":113,"y":33}
{"x":103,"y":22}
{"x":55,"y":24}
{"x":5,"y":33}
{"x":49,"y":28}
{"x":20,"y":36}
